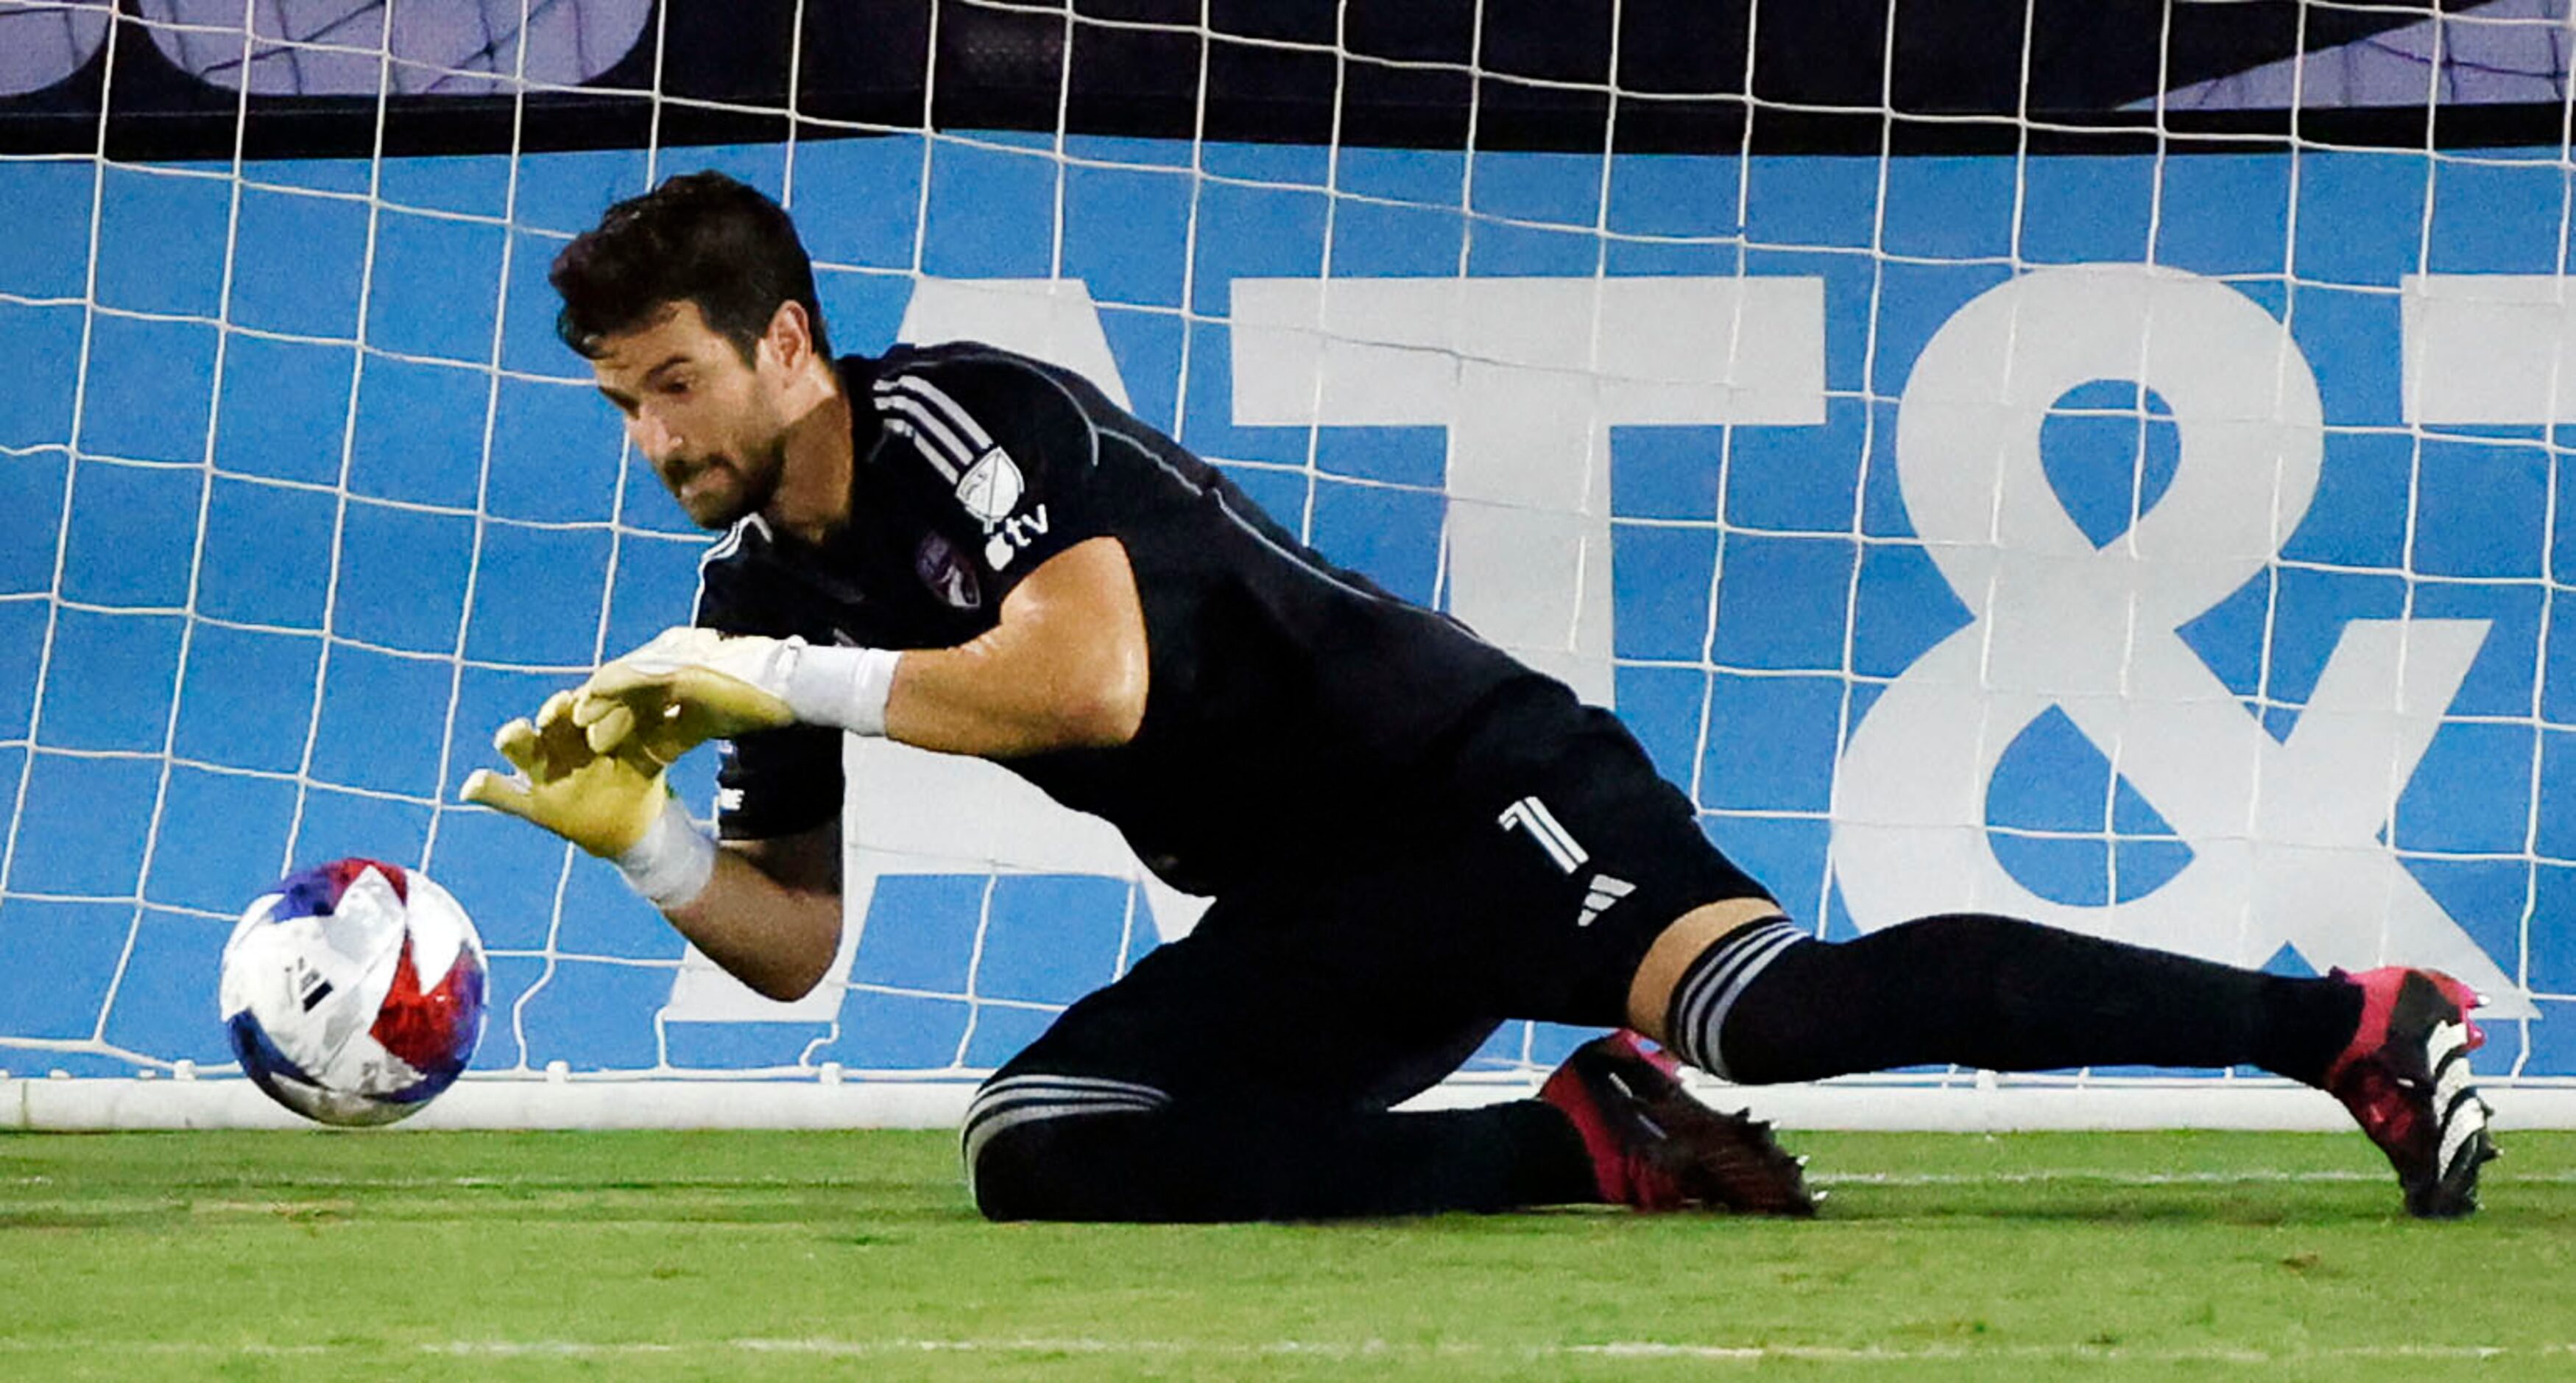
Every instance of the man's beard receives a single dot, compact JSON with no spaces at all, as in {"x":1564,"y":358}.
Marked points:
{"x":753,"y":487}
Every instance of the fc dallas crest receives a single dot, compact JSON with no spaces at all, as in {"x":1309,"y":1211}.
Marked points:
{"x":947,"y":574}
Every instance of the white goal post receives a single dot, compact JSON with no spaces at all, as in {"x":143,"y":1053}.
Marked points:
{"x":2143,"y":518}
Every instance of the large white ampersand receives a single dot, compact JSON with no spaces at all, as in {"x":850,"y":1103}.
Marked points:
{"x":2284,"y":835}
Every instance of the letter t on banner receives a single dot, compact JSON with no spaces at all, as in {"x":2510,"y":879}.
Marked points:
{"x":1529,"y":375}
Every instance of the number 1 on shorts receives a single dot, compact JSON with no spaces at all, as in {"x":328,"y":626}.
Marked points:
{"x":1531,"y":815}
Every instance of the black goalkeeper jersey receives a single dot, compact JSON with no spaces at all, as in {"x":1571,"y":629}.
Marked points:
{"x":1291,"y":705}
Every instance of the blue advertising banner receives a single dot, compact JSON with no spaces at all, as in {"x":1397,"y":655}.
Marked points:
{"x":2162,"y":547}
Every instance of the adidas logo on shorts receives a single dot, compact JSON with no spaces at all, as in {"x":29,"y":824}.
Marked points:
{"x":1603,"y":891}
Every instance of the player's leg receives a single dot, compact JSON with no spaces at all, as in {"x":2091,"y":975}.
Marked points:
{"x":1236,"y":1076}
{"x":1210,"y":1163}
{"x":1740,"y":991}
{"x":1755,"y":999}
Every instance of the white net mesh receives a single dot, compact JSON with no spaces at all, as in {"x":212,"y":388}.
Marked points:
{"x":2150,"y":539}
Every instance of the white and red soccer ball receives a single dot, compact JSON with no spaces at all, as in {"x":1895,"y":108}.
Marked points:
{"x":353,"y":992}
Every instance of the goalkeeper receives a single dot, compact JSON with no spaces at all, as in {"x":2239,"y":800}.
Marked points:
{"x":1409,"y":836}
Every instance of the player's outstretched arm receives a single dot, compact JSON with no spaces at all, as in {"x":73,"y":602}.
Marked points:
{"x":769,"y":912}
{"x":1064,"y":668}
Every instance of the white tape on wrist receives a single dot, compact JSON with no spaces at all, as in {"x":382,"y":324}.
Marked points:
{"x":670,"y":866}
{"x":842,"y":687}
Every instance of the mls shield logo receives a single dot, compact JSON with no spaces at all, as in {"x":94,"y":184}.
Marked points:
{"x":947,"y":574}
{"x":992,"y":487}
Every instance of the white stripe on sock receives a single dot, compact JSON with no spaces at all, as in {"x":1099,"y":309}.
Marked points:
{"x":1720,"y":981}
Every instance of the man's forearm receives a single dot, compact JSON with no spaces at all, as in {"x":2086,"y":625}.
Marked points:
{"x":777,"y":939}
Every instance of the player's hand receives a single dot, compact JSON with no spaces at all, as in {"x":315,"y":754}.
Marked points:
{"x":684,"y":688}
{"x":600,"y":802}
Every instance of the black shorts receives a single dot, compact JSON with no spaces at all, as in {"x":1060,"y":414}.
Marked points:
{"x":1555,"y":859}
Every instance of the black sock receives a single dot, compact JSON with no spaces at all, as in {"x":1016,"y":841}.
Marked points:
{"x":1768,"y":1004}
{"x":1227,"y":1164}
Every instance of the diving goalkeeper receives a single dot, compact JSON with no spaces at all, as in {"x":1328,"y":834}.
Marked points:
{"x":1409,"y":836}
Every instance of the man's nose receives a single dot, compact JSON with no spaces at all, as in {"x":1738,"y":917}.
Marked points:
{"x":653,"y":437}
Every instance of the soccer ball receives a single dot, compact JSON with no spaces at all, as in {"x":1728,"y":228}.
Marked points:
{"x":353,"y":992}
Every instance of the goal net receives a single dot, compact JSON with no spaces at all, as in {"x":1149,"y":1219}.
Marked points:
{"x":2100,"y":470}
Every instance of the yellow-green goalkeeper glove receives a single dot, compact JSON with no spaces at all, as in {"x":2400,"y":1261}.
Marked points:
{"x":685,"y":687}
{"x":604,"y":803}
{"x":617,"y":806}
{"x":690,"y":685}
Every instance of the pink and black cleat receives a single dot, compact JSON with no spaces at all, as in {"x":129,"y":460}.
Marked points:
{"x":2406,"y":1078}
{"x":1657,"y":1149}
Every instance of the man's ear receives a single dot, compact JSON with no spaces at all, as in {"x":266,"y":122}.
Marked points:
{"x":790,"y":336}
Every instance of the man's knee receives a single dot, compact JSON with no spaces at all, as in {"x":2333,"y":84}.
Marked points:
{"x":1007,"y":1174}
{"x":1054,"y":1147}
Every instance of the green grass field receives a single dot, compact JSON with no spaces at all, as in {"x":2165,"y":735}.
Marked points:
{"x":802,"y":1255}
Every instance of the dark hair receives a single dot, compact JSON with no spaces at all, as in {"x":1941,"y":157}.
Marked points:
{"x":700,"y":238}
